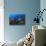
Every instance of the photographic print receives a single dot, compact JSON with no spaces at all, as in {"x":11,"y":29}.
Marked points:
{"x":17,"y":19}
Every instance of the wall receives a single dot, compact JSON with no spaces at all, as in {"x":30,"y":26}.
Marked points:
{"x":1,"y":21}
{"x":28,"y":7}
{"x":43,"y":6}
